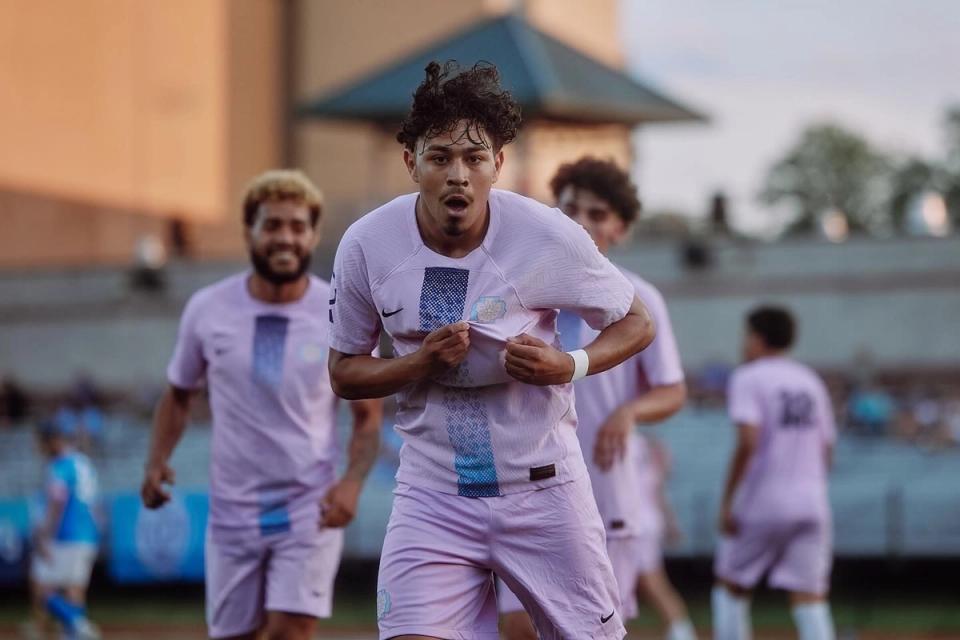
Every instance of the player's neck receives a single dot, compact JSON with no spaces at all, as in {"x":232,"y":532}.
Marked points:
{"x":446,"y":245}
{"x":265,"y":291}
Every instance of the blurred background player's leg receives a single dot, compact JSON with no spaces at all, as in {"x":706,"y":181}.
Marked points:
{"x":655,"y":588}
{"x":811,"y":615}
{"x":731,"y":612}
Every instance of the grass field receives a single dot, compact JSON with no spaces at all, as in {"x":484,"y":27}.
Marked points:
{"x":177,"y":614}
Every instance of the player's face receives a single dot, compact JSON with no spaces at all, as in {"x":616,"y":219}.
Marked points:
{"x":281,"y":240}
{"x":595,"y":215}
{"x":455,"y":172}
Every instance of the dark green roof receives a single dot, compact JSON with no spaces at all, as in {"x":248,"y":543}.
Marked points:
{"x":549,"y":79}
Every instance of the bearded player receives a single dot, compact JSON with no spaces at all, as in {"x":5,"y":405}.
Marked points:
{"x":277,"y":509}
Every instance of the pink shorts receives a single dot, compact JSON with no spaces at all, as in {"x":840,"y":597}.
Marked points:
{"x":631,"y":557}
{"x":249,"y":574}
{"x":441,"y":553}
{"x":797,"y":556}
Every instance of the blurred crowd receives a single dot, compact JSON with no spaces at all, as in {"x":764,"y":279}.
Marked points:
{"x":918,"y":407}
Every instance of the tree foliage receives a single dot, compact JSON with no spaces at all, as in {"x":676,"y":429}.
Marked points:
{"x":830,"y":168}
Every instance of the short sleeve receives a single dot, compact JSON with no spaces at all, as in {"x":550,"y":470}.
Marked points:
{"x":354,"y":322}
{"x":567,"y":271}
{"x":57,"y":487}
{"x":661,"y":360}
{"x":743,"y":402}
{"x":188,"y":366}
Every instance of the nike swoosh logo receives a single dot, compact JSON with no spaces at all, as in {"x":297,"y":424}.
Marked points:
{"x":387,"y":314}
{"x":605,"y":619}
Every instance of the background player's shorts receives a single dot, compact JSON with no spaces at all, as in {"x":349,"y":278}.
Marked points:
{"x":69,"y":565}
{"x":797,"y":555}
{"x":248,"y":574}
{"x":631,"y":557}
{"x":547,"y":546}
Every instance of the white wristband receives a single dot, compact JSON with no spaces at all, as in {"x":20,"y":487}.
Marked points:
{"x":581,"y":363}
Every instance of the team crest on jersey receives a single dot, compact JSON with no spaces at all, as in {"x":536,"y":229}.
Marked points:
{"x":488,"y":309}
{"x":311,"y":352}
{"x":383,"y":603}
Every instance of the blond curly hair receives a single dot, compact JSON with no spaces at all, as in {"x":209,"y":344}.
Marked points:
{"x":281,"y":184}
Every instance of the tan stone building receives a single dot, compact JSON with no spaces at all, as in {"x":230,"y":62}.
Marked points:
{"x":120,"y":116}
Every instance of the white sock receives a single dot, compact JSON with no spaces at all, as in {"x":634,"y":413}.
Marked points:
{"x":681,"y":630}
{"x":731,"y":615}
{"x":814,"y":621}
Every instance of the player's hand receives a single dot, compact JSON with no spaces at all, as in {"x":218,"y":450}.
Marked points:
{"x":533,"y":361}
{"x":611,"y":444}
{"x":728,"y":524}
{"x":339,"y":506}
{"x":152,"y":492}
{"x":445,"y":348}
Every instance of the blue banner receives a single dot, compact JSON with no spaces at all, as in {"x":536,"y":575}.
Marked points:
{"x":14,"y":541}
{"x":163,"y":545}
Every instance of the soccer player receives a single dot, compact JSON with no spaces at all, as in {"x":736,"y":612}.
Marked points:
{"x":277,"y":509}
{"x":646,"y":389}
{"x":775,"y":516}
{"x":65,"y":544}
{"x":467,"y":280}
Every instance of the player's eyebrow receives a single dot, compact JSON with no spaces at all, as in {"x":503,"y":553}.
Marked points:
{"x":448,"y":148}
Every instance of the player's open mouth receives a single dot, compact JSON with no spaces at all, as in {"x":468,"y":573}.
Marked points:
{"x":456,"y":204}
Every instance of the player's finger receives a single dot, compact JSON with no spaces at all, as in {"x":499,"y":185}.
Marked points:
{"x":518,"y":363}
{"x":527,"y":352}
{"x":453,"y":329}
{"x":517,"y":373}
{"x":457,"y":339}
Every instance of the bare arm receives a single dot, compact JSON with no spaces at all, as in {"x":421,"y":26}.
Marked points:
{"x":535,"y":362}
{"x":628,"y":336}
{"x":169,"y":423}
{"x":51,"y":522}
{"x":339,"y":506}
{"x":748,"y":437}
{"x":356,"y":377}
{"x":656,"y":405}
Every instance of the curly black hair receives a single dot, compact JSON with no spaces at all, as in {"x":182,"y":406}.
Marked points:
{"x":604,"y":179}
{"x":775,"y":325}
{"x":450,"y":94}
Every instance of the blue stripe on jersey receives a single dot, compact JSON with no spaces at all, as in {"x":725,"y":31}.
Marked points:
{"x":568,"y":325}
{"x":274,"y":516}
{"x":269,"y":344}
{"x":442,"y":301}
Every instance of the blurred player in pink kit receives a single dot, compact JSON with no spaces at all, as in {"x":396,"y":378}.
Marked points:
{"x":626,"y":472}
{"x":277,"y":509}
{"x":467,"y":280}
{"x":775,"y":517}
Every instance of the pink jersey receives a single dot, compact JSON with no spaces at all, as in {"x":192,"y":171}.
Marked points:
{"x":274,"y":413}
{"x":786,"y":480}
{"x":618,"y":490}
{"x":476,"y":431}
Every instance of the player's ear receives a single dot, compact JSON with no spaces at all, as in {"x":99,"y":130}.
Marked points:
{"x":497,"y":164}
{"x":410,"y":160}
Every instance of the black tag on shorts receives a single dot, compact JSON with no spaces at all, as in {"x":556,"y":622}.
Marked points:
{"x":542,"y":473}
{"x":617,"y":524}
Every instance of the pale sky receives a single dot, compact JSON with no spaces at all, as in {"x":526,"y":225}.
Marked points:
{"x":763,"y":69}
